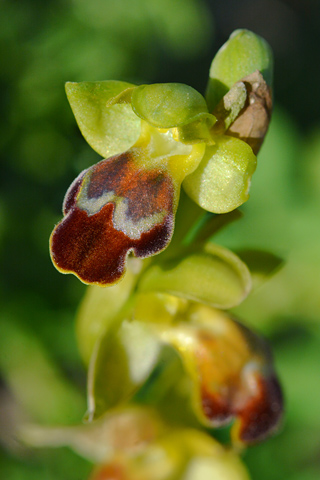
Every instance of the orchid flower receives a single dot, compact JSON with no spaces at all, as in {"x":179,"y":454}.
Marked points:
{"x":133,"y":443}
{"x":155,"y":139}
{"x":168,"y":340}
{"x":167,"y":363}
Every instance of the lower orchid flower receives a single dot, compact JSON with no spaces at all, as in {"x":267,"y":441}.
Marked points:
{"x":166,"y":368}
{"x":134,"y":443}
{"x":232,"y":373}
{"x":170,"y":343}
{"x":156,"y":138}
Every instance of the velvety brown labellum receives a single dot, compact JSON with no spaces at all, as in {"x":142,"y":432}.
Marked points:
{"x":237,"y":382}
{"x":262,"y":413}
{"x":217,"y":409}
{"x":89,"y":244}
{"x":257,"y":417}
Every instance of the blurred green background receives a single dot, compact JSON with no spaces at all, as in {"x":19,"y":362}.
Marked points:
{"x":44,"y":44}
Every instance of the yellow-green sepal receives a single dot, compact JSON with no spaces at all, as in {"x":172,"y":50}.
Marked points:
{"x":244,"y":53}
{"x":167,"y":105}
{"x":106,"y":121}
{"x":221,"y":182}
{"x":98,"y":311}
{"x":128,"y":351}
{"x":213,"y":275}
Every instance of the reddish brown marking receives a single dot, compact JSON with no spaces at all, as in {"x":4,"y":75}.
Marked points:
{"x":93,"y":249}
{"x":259,"y":411}
{"x":258,"y":417}
{"x":147,"y":191}
{"x":215,"y":408}
{"x":111,"y":471}
{"x":216,"y":405}
{"x":262,"y":413}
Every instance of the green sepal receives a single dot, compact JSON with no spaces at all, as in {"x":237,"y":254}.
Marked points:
{"x":244,"y":53}
{"x":98,"y":310}
{"x":221,"y":182}
{"x":128,"y":352}
{"x":110,"y":128}
{"x":213,"y":275}
{"x":123,"y":97}
{"x":167,"y":105}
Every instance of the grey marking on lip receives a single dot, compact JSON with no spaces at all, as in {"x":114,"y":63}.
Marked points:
{"x":121,"y":220}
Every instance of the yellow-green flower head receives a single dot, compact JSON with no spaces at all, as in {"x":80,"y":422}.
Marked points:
{"x":156,"y":138}
{"x":184,"y":454}
{"x":134,"y":443}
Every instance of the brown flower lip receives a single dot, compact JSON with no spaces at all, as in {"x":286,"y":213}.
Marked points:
{"x":256,"y":419}
{"x":237,"y":381}
{"x":112,"y":209}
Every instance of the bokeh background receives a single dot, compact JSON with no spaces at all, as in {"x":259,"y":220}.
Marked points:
{"x":44,"y":44}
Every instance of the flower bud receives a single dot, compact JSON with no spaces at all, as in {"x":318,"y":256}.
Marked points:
{"x":243,"y":54}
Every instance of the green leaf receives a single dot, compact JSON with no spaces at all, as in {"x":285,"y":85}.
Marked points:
{"x":262,"y":264}
{"x":214,"y":276}
{"x":221,"y":182}
{"x":38,"y":388}
{"x":109,"y":128}
{"x":244,"y":53}
{"x":167,"y":105}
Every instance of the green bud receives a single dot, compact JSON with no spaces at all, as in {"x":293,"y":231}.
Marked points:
{"x":243,"y":54}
